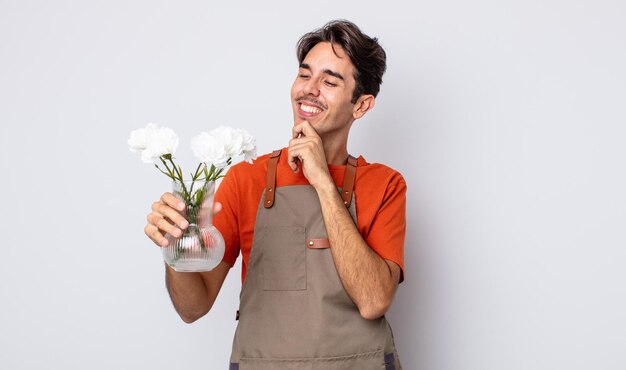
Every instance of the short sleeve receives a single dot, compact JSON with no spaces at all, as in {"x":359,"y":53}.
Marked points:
{"x":388,"y":228}
{"x":226,"y":221}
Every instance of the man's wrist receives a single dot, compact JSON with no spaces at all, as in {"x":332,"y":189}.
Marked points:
{"x":327,"y":189}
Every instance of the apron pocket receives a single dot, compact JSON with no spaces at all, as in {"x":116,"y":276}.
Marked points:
{"x":283,"y":257}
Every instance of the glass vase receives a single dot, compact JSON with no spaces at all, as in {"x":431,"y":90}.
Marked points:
{"x":201,"y":246}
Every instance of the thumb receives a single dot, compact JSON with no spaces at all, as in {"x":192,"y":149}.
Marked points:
{"x":217,"y":207}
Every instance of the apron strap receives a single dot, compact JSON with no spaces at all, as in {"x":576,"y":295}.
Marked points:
{"x":346,"y":189}
{"x":270,"y":187}
{"x":348,"y":181}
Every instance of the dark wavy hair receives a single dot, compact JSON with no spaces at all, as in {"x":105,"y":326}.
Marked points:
{"x":367,"y":56}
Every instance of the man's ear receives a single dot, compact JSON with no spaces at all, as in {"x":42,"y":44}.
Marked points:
{"x":362,"y":105}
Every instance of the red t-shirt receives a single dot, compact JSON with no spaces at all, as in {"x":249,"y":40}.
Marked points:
{"x":379,"y":193}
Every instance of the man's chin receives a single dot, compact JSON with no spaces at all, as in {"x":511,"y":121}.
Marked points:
{"x":312,"y":120}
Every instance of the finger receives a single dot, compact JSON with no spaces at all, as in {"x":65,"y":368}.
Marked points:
{"x":297,"y":129}
{"x":155,"y":235}
{"x":164,"y":210}
{"x":306,"y":144}
{"x":305,"y":129}
{"x":294,"y":158}
{"x":152,"y":216}
{"x":171,"y":200}
{"x":298,"y":141}
{"x":293,"y":164}
{"x":304,"y":148}
{"x":297,"y":150}
{"x":217,"y":207}
{"x":165,"y":227}
{"x":163,"y":224}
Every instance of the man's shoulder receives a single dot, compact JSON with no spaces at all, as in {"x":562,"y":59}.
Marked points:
{"x":378,"y":173}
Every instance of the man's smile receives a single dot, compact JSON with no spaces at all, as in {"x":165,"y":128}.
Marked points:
{"x":308,"y":108}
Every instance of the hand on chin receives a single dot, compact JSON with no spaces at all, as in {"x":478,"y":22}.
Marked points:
{"x":306,"y":148}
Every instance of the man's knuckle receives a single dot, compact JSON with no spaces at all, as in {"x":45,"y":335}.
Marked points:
{"x":167,"y":227}
{"x":156,"y":235}
{"x":174,"y":216}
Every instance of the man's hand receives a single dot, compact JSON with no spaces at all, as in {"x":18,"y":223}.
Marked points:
{"x":166,"y":218}
{"x":306,"y":147}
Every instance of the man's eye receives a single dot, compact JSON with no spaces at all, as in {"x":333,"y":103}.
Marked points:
{"x":330,"y":84}
{"x":304,"y":76}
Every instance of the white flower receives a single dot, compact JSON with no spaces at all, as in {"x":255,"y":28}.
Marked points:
{"x":230,"y":138}
{"x":249,"y":155}
{"x":208,"y":148}
{"x":153,"y":142}
{"x":222,"y":143}
{"x":248,"y":146}
{"x":217,"y":147}
{"x":139,"y":138}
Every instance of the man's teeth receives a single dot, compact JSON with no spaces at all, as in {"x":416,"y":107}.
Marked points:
{"x":309,"y":109}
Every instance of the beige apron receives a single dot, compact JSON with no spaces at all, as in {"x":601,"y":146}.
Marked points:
{"x":294,"y":312}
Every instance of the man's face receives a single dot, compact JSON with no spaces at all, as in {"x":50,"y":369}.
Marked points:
{"x":322,"y":91}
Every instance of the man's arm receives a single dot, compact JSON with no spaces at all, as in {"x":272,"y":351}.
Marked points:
{"x":193,"y":293}
{"x":369,"y":280}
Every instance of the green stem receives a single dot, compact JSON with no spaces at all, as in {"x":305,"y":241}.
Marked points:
{"x":171,"y":174}
{"x":195,"y":176}
{"x":163,"y":172}
{"x":186,"y":196}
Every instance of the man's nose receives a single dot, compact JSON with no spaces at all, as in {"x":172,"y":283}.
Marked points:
{"x":311,"y":87}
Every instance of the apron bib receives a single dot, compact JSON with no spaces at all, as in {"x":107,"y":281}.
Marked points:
{"x":294,"y":312}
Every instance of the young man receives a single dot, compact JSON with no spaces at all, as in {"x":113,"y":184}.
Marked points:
{"x":320,"y":266}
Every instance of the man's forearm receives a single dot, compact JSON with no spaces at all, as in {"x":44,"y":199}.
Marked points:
{"x":188,"y":293}
{"x":193,"y":293}
{"x":368,"y":279}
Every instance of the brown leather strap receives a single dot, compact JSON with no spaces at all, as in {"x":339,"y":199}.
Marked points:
{"x":317,"y":243}
{"x":270,"y":186}
{"x":348,"y":181}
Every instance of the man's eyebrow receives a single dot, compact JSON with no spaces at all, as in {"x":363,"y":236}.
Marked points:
{"x":334,"y":74}
{"x":327,"y":71}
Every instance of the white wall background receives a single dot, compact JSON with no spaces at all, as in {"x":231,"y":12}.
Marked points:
{"x":507,"y":119}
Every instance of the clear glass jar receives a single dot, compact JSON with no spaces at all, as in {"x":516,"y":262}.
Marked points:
{"x":201,"y":247}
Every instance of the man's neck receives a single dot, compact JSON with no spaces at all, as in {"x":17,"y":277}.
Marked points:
{"x":336,"y":152}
